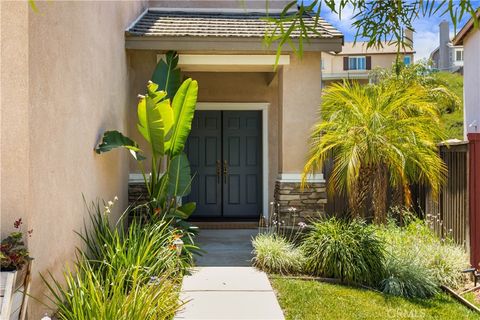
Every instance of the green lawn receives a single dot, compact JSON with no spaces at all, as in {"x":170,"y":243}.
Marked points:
{"x":305,"y":300}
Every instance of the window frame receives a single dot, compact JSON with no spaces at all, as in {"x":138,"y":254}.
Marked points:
{"x":357,"y":59}
{"x":459,"y":51}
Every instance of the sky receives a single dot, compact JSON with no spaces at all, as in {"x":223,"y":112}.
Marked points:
{"x":425,"y":38}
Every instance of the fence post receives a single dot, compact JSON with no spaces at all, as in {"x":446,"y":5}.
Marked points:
{"x":474,"y":197}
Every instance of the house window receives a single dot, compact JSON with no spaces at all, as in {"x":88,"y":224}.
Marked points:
{"x":357,"y":63}
{"x":407,"y":60}
{"x":458,"y":55}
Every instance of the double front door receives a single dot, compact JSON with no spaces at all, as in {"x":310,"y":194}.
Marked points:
{"x":225,"y":153}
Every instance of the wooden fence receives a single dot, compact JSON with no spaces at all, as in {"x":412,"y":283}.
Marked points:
{"x":448,"y":214}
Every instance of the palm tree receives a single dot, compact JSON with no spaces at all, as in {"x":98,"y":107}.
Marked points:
{"x":379,"y":135}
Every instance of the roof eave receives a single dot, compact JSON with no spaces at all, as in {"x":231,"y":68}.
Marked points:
{"x":236,"y":44}
{"x":460,"y":36}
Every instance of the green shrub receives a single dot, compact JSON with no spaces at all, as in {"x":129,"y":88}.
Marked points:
{"x":143,"y":246}
{"x":123,"y":273}
{"x":407,"y":278}
{"x":273,"y":253}
{"x":349,"y":251}
{"x":85,"y":296}
{"x":443,"y":259}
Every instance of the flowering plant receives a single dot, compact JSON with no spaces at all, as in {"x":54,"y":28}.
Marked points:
{"x":13,"y":253}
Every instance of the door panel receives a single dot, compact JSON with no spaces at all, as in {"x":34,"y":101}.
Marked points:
{"x":204,"y":149}
{"x":242,"y":164}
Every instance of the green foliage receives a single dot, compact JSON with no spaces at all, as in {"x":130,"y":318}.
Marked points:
{"x":378,"y":134}
{"x":13,"y":253}
{"x":420,"y":74}
{"x":179,"y":179}
{"x":407,"y":278}
{"x":165,"y":126}
{"x":85,"y":296}
{"x":452,"y":121}
{"x":114,"y":139}
{"x":349,"y":251}
{"x":167,"y":75}
{"x":378,"y":21}
{"x":312,"y":300}
{"x":417,"y":244}
{"x":123,"y":273}
{"x":183,"y":111}
{"x":274,"y":254}
{"x":144,"y":248}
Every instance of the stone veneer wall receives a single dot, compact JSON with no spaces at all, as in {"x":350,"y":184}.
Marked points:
{"x":137,"y":193}
{"x":308,"y":203}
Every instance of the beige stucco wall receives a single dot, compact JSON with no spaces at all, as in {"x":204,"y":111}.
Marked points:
{"x":471,"y":75}
{"x":64,"y":80}
{"x":300,"y":98}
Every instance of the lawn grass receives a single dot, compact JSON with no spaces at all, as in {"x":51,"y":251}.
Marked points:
{"x":305,"y":300}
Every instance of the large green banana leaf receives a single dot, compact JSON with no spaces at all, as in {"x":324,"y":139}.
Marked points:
{"x":152,"y":118}
{"x":167,"y":75}
{"x":114,"y":139}
{"x":179,"y":179}
{"x":183,"y":105}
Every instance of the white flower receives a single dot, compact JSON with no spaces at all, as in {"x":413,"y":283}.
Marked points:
{"x":116,"y":198}
{"x":110,"y":203}
{"x":302,"y":225}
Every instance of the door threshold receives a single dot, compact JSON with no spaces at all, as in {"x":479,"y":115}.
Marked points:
{"x":225,"y":224}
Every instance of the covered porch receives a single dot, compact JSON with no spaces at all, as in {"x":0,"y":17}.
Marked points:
{"x":250,"y":135}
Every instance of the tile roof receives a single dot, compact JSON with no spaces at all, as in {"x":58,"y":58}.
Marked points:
{"x":216,"y":24}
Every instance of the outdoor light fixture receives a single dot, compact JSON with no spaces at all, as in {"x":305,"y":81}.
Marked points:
{"x":178,"y":243}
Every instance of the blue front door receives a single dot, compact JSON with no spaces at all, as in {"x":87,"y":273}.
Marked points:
{"x":224,"y":149}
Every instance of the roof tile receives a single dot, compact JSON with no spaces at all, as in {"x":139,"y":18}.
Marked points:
{"x":206,"y":24}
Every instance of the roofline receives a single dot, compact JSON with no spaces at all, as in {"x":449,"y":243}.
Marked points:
{"x":237,"y":44}
{"x":460,"y":36}
{"x":369,"y":53}
{"x":219,"y":10}
{"x":134,"y":22}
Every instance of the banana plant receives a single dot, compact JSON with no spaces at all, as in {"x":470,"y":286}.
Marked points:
{"x":165,"y":124}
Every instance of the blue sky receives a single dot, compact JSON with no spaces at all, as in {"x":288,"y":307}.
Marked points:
{"x":426,"y":29}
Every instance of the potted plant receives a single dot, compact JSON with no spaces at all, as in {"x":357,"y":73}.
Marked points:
{"x":15,"y":274}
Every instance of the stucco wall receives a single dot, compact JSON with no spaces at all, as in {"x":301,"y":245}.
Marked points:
{"x":471,"y":81}
{"x":64,"y":81}
{"x":300,"y":104}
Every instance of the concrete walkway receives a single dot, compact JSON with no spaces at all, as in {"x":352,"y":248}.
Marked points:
{"x":224,"y":286}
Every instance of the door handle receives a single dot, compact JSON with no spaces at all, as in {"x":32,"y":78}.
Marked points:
{"x":219,"y":170}
{"x":225,"y":171}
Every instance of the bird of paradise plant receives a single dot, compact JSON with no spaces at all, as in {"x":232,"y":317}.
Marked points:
{"x":379,"y":135}
{"x":164,"y":121}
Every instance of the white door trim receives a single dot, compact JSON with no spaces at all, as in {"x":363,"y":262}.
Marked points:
{"x":244,"y":106}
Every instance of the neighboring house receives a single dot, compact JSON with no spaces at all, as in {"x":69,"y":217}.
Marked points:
{"x":469,"y":38}
{"x":61,"y":90}
{"x":355,"y":61}
{"x":447,"y":56}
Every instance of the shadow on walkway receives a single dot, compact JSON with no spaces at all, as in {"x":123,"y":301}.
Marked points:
{"x":225,"y":247}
